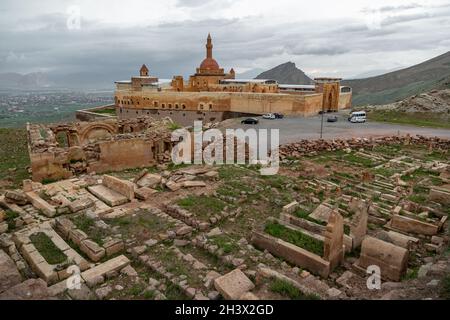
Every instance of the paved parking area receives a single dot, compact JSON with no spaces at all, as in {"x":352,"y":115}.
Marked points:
{"x":296,"y":128}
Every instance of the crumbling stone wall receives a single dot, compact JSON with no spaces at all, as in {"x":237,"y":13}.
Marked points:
{"x":63,"y":150}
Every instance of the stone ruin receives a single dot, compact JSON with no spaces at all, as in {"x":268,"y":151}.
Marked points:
{"x":64,"y":150}
{"x":368,"y":220}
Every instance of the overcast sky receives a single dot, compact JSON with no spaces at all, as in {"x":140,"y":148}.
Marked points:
{"x":324,"y":38}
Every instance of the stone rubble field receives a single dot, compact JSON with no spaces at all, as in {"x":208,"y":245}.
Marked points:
{"x":334,"y":209}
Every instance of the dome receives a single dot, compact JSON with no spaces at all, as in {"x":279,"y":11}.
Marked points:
{"x":209,"y":64}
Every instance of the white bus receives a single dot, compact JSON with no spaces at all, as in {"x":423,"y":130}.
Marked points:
{"x":357,"y":116}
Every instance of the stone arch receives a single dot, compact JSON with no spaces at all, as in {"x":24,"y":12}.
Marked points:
{"x":101,"y":130}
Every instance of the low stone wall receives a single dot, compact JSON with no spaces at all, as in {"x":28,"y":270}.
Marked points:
{"x":305,"y":147}
{"x":291,"y":253}
{"x":91,"y":115}
{"x":94,"y":251}
{"x":410,"y":225}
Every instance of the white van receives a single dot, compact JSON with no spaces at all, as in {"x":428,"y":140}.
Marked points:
{"x":357,"y":116}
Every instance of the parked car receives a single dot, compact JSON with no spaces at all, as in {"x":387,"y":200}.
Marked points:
{"x":250,"y":121}
{"x":332,"y":119}
{"x":279,"y":115}
{"x":357,"y":116}
{"x":269,"y":116}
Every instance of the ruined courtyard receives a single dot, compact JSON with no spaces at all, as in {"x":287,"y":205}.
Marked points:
{"x":162,"y":231}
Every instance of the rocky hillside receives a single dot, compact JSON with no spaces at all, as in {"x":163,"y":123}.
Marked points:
{"x":400,"y":84}
{"x":286,"y":73}
{"x":435,"y":101}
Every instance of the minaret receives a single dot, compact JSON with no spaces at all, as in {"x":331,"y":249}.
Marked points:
{"x":209,"y":47}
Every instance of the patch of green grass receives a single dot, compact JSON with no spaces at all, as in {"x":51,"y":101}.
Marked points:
{"x":422,"y":119}
{"x":202,"y":206}
{"x":225,"y":243}
{"x":9,"y":217}
{"x":385,"y":172}
{"x":445,"y":291}
{"x":411,"y":274}
{"x":304,"y":214}
{"x":149,"y":295}
{"x":136,"y":289}
{"x":287,"y":289}
{"x":14,"y":157}
{"x":297,"y":238}
{"x":174,"y":126}
{"x":51,"y":253}
{"x":353,"y":158}
{"x":48,"y":180}
{"x":87,"y":225}
{"x":111,"y":112}
{"x":174,"y":292}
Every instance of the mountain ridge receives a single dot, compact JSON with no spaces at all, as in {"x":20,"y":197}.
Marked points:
{"x":286,"y":73}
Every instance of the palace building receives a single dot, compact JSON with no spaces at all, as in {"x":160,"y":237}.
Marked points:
{"x":211,"y":95}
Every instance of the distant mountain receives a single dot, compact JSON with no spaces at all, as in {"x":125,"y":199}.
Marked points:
{"x":400,"y":84}
{"x":29,"y":80}
{"x":286,"y":73}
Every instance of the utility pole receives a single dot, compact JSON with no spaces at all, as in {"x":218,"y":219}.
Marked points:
{"x":321,"y":123}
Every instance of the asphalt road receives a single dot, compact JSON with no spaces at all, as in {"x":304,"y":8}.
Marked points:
{"x":293,"y":129}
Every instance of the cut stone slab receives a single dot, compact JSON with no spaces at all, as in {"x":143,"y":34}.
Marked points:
{"x":144,"y":193}
{"x":322,"y":213}
{"x":125,"y":188}
{"x":81,"y":204}
{"x":291,"y":207}
{"x":41,"y":204}
{"x":101,"y":270}
{"x":108,"y":196}
{"x":9,"y":275}
{"x":233,"y":285}
{"x":92,"y":250}
{"x":192,"y":184}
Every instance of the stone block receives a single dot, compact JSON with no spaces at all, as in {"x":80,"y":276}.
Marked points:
{"x":125,"y":188}
{"x":81,"y":204}
{"x":144,"y":193}
{"x":76,"y":236}
{"x":149,"y":180}
{"x":108,"y":196}
{"x":192,"y":184}
{"x":92,"y":250}
{"x":113,"y":246}
{"x":291,"y":207}
{"x":41,"y":204}
{"x":233,"y":285}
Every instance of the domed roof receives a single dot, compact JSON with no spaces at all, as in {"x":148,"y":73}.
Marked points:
{"x":209,"y":64}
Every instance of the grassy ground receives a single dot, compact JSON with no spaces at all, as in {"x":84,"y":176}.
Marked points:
{"x":416,"y":119}
{"x":111,"y":112}
{"x":14,"y":157}
{"x":288,"y":290}
{"x":47,"y":248}
{"x":295,"y":237}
